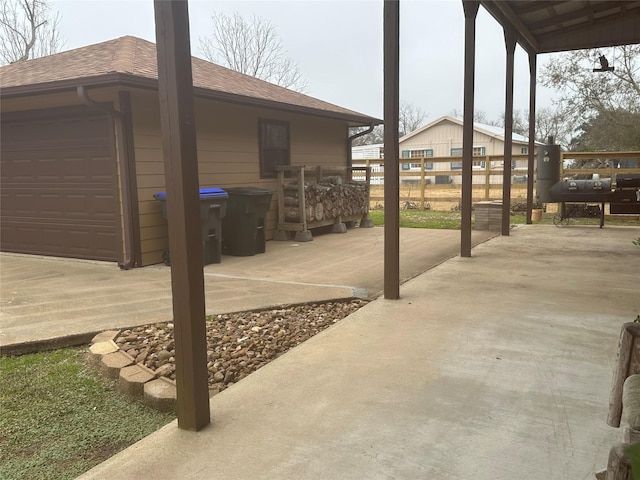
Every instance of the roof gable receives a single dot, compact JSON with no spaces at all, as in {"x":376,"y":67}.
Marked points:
{"x":136,"y":59}
{"x":490,"y":130}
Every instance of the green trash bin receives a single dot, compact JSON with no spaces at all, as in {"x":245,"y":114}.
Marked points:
{"x":243,"y":227}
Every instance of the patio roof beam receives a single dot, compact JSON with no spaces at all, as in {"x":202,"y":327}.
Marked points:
{"x":505,"y":15}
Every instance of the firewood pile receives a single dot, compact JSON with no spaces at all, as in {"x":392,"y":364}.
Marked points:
{"x":326,"y":200}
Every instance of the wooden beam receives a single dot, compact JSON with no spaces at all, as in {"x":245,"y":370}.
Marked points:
{"x":391,"y":149}
{"x":629,"y":334}
{"x":532,"y":134}
{"x":585,"y":12}
{"x":175,"y":87}
{"x":470,"y":12}
{"x":503,"y":13}
{"x":510,"y":44}
{"x":530,"y":7}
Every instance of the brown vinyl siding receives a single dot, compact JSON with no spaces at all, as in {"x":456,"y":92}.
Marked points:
{"x":228,"y":155}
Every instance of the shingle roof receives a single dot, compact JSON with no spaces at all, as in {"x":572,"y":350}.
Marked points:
{"x":491,"y":130}
{"x":129,"y":59}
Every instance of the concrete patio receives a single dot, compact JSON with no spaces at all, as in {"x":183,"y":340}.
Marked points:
{"x":47,"y":302}
{"x":491,"y":367}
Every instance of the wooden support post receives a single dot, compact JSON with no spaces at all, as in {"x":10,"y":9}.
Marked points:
{"x":391,"y":149}
{"x":301,"y":199}
{"x":510,"y":44}
{"x":175,"y":86}
{"x":487,"y":178}
{"x":470,"y":11}
{"x":627,"y":350}
{"x":422,"y":186}
{"x":532,"y":134}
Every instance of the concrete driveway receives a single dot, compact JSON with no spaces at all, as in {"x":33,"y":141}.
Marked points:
{"x":48,"y":302}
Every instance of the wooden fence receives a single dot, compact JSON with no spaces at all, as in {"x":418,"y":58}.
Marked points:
{"x":436,"y":182}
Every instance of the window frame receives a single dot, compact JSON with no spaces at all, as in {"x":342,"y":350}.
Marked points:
{"x":426,"y":153}
{"x":268,"y":171}
{"x":476,"y":152}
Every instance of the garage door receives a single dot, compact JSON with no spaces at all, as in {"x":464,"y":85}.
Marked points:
{"x":58,"y":186}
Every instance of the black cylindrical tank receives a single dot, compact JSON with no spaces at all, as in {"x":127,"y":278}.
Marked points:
{"x":548,"y":171}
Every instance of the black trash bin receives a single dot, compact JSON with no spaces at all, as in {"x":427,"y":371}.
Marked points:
{"x":213,"y":207}
{"x":244,"y":225}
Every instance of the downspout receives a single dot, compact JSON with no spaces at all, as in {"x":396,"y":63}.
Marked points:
{"x":350,"y":144}
{"x":83,"y":95}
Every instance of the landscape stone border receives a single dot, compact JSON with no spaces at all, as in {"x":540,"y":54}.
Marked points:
{"x":239,"y":344}
{"x":131,"y":378}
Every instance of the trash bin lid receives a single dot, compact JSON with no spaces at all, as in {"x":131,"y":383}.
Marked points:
{"x":204,"y":193}
{"x":212,"y":192}
{"x":248,"y":191}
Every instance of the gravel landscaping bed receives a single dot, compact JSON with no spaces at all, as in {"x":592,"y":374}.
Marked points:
{"x":239,"y":343}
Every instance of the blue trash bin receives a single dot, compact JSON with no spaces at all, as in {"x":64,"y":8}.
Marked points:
{"x":213,"y":208}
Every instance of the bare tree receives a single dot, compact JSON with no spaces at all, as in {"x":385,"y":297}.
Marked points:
{"x":479,"y":116}
{"x":251,"y":46}
{"x":372,"y":138}
{"x":552,"y":123}
{"x":411,"y":118}
{"x":609,"y":101}
{"x":28,"y":29}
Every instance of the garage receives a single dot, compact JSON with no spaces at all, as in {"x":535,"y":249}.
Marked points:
{"x":58,"y":190}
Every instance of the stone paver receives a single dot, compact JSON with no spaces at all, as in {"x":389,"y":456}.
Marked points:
{"x":132,"y":379}
{"x":111,"y":363}
{"x":160,"y":394}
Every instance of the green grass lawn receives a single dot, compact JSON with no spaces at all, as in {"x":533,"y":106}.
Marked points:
{"x":58,"y":418}
{"x":451,"y":220}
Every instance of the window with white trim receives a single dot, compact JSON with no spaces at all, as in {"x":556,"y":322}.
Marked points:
{"x":477,"y":152}
{"x":417,"y":153}
{"x":524,"y":150}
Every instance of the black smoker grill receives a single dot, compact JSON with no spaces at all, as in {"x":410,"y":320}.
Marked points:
{"x":625,"y":199}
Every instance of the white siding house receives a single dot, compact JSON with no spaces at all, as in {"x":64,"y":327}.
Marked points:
{"x":368,"y":151}
{"x":371,"y":153}
{"x":443,"y":138}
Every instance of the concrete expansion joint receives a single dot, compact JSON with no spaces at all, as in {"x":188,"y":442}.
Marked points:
{"x":134,"y":379}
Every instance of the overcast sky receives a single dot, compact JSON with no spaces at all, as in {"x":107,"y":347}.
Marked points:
{"x":338,"y":45}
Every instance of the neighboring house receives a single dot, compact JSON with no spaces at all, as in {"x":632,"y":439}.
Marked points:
{"x":81,"y":147}
{"x":443,"y":138}
{"x":372,"y":153}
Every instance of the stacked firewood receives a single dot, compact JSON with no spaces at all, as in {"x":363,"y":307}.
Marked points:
{"x":326,"y":200}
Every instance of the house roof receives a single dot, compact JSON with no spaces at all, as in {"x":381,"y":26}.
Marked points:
{"x":132,"y":61}
{"x":491,"y":130}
